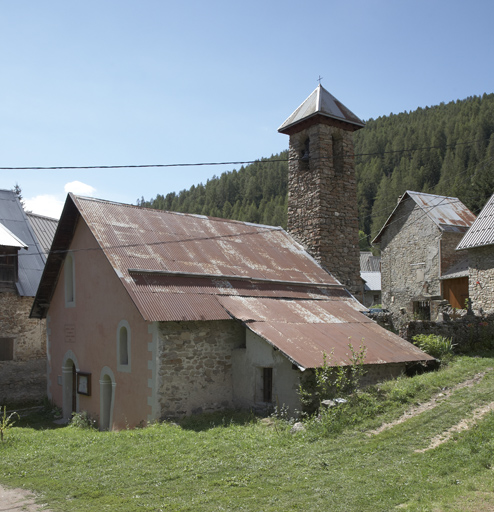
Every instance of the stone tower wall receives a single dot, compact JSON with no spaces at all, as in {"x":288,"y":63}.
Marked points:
{"x":322,"y":201}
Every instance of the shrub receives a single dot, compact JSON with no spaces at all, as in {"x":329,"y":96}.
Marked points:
{"x":6,"y":422}
{"x":82,"y":420}
{"x":436,"y":346}
{"x":332,"y":380}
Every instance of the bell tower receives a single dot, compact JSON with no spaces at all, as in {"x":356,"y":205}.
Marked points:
{"x":322,"y":186}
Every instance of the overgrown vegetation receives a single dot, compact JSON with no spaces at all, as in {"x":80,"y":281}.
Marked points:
{"x":6,"y":422}
{"x":436,"y":346}
{"x":237,"y":462}
{"x":447,"y":149}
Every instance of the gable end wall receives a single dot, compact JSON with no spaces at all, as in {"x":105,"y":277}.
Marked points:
{"x":409,"y":245}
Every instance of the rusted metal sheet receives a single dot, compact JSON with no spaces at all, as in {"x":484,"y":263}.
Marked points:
{"x":303,"y":330}
{"x":448,"y":213}
{"x":178,"y":267}
{"x":305,"y":344}
{"x":481,"y":233}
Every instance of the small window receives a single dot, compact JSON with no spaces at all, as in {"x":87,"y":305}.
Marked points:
{"x":8,"y":266}
{"x":267,"y":384}
{"x":6,"y":349}
{"x":69,"y":280}
{"x":123,"y":346}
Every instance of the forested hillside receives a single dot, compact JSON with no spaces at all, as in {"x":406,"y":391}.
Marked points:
{"x":447,"y":149}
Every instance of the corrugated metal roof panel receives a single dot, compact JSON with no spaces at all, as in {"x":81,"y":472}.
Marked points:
{"x":369,"y":262}
{"x":31,"y":261}
{"x":305,"y":329}
{"x":256,"y":274}
{"x":481,"y":233}
{"x":372,"y":280}
{"x":44,"y":228}
{"x":306,"y":344}
{"x":448,"y":213}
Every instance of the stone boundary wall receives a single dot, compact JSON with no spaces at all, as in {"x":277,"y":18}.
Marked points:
{"x":467,"y":332}
{"x":195,"y":366}
{"x":22,"y":382}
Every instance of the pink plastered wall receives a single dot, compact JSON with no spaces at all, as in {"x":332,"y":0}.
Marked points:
{"x":89,"y":331}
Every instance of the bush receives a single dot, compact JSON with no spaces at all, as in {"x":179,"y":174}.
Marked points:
{"x":436,"y":346}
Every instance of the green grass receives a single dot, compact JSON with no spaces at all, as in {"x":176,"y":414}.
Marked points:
{"x":235,"y":462}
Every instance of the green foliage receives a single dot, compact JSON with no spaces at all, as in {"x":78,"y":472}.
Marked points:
{"x":6,"y":422}
{"x":436,"y":346}
{"x":256,"y":465}
{"x":332,"y":380}
{"x":82,"y":420}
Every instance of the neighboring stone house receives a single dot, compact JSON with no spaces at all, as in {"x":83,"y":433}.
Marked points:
{"x":478,"y":243}
{"x":418,"y":244}
{"x":22,"y":339}
{"x":370,"y":272}
{"x":154,"y":314}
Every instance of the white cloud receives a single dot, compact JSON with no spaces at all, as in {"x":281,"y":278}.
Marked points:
{"x":79,"y":188}
{"x":45,"y":204}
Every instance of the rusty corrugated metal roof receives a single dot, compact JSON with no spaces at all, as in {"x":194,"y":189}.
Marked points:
{"x":306,"y":329}
{"x":481,"y":232}
{"x":448,"y":213}
{"x":180,"y":267}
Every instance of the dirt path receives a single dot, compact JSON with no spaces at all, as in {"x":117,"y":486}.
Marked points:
{"x":434,"y":402}
{"x":13,"y":500}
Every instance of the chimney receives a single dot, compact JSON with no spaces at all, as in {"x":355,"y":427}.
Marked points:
{"x":322,"y":186}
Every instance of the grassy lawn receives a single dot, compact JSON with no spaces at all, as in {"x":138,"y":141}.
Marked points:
{"x":237,"y":462}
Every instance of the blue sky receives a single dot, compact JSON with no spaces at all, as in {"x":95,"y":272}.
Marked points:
{"x":120,"y":82}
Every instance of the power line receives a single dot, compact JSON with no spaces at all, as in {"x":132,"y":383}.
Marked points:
{"x":205,"y":164}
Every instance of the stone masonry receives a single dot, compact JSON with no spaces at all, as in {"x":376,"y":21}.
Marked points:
{"x":24,"y":378}
{"x":481,"y":278}
{"x":322,"y":200}
{"x":195,"y":366}
{"x":410,"y":259}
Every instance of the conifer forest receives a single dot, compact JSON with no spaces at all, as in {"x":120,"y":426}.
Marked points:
{"x":446,"y":149}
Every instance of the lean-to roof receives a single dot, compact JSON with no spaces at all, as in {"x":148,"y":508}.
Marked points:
{"x":481,"y":232}
{"x":181,"y":267}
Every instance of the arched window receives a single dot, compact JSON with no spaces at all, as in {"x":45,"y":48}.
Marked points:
{"x":69,"y":281}
{"x":107,"y":398}
{"x":123,"y":347}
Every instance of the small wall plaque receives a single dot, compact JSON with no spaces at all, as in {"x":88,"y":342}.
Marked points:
{"x":84,"y":383}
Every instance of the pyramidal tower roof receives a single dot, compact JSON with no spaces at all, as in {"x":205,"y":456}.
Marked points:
{"x":321,"y":103}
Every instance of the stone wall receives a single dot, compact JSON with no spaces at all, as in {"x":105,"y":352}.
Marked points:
{"x":24,"y":378}
{"x":380,"y":372}
{"x":409,"y":259}
{"x":322,"y":201}
{"x":467,"y":332}
{"x":22,"y":382}
{"x":481,"y":278}
{"x":195,"y":366}
{"x":449,"y":255}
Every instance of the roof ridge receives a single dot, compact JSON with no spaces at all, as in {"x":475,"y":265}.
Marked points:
{"x":171,"y":212}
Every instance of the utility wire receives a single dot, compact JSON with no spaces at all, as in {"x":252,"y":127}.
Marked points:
{"x":198,"y":164}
